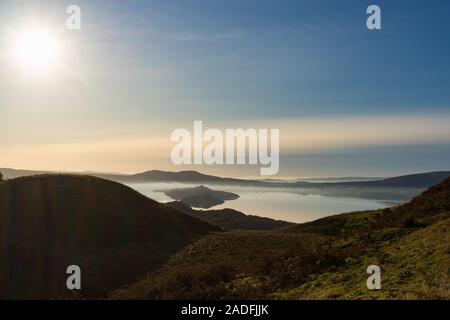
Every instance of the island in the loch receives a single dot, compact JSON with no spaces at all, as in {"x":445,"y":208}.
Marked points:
{"x":200,"y":197}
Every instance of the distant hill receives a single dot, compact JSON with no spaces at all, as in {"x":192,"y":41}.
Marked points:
{"x":419,"y":180}
{"x":158,"y":175}
{"x":340,"y":179}
{"x":401,"y":188}
{"x":323,"y":259}
{"x":112,"y":232}
{"x":230,"y":219}
{"x":180,"y":176}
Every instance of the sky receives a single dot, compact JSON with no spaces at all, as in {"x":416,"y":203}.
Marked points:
{"x":347,"y":100}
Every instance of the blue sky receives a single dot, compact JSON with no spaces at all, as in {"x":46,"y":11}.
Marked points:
{"x":139,"y":69}
{"x":291,"y":57}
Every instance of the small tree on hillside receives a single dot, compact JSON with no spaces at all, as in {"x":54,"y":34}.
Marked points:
{"x":1,"y":176}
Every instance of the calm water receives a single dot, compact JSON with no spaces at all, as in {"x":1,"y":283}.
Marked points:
{"x":273,"y":203}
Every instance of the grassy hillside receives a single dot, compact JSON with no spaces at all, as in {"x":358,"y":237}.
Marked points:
{"x":325,"y":259}
{"x":112,"y":232}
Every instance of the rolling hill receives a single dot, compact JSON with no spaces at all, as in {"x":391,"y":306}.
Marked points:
{"x":112,"y":232}
{"x":181,"y":176}
{"x":121,"y":239}
{"x":324,"y":259}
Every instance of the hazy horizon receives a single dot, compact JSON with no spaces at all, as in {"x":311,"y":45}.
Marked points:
{"x":254,"y":177}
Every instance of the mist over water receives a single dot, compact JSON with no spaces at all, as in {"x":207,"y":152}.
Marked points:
{"x":283,"y":204}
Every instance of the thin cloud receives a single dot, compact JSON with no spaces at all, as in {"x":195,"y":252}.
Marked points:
{"x":206,"y":37}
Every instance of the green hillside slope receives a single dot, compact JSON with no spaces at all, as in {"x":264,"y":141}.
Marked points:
{"x":324,"y":259}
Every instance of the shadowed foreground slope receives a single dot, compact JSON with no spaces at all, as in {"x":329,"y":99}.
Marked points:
{"x":324,"y":259}
{"x":112,"y":232}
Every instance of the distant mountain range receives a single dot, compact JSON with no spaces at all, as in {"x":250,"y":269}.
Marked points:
{"x":325,"y":179}
{"x":401,"y":188}
{"x":147,"y":176}
{"x":419,"y":180}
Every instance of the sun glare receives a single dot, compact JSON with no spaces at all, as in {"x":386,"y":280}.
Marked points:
{"x":36,"y":50}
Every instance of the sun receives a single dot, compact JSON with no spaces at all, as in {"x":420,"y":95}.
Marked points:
{"x":36,"y":50}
